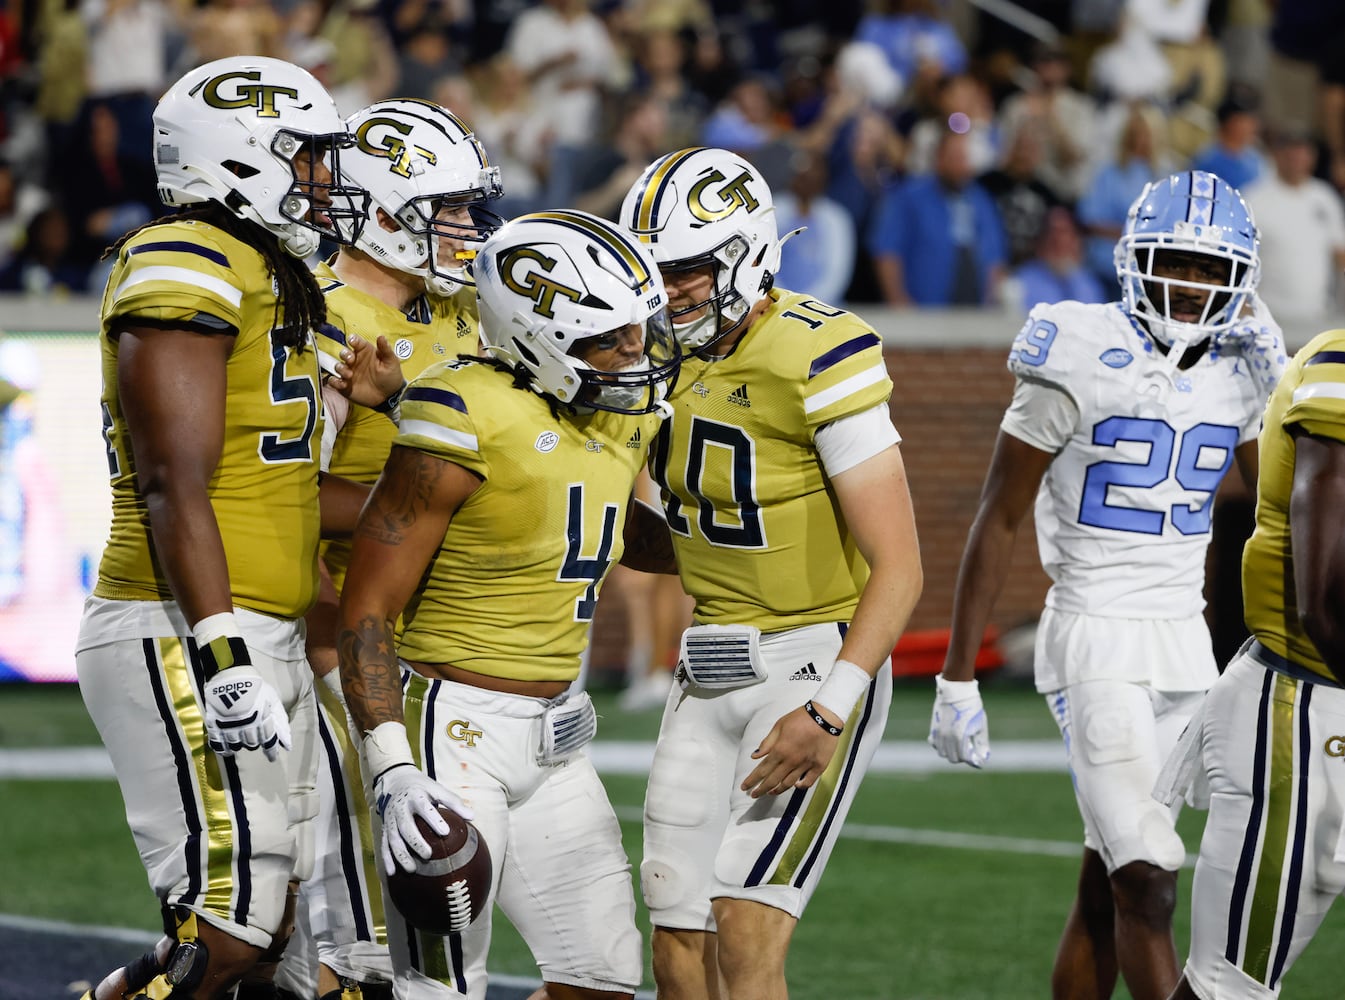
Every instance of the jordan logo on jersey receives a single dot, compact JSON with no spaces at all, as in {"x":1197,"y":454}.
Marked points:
{"x":634,"y":441}
{"x":807,"y":672}
{"x":739,"y":396}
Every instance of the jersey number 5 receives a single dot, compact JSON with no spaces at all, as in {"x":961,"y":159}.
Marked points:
{"x":1193,"y":471}
{"x":287,"y":390}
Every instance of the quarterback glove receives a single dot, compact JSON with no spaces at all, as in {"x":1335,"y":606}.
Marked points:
{"x":402,"y":792}
{"x":1257,"y":339}
{"x":957,"y":729}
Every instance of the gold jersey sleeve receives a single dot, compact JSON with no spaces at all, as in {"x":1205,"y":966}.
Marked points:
{"x":1310,"y":399}
{"x":264,"y":490}
{"x":759,"y":535}
{"x":430,"y":330}
{"x":513,"y":587}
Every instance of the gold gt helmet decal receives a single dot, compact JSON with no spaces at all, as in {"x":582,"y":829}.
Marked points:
{"x":390,"y":145}
{"x":535,"y":283}
{"x":731,"y":196}
{"x":244,"y":89}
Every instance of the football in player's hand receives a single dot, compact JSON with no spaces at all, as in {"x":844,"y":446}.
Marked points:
{"x":448,"y":891}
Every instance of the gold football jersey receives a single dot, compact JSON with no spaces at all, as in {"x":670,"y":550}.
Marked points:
{"x":759,"y":536}
{"x":265,"y":488}
{"x":513,"y":587}
{"x":433,"y":329}
{"x":1310,"y":398}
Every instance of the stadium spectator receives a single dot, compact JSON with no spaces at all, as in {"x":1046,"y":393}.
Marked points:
{"x":1056,"y":272}
{"x":1105,"y":202}
{"x":604,"y":172}
{"x":19,"y":202}
{"x":46,"y":264}
{"x":915,"y":37}
{"x":1302,"y":226}
{"x":1062,"y":117}
{"x":1123,"y":653}
{"x":936,"y":239}
{"x":1021,"y":197}
{"x":961,"y":104}
{"x":820,"y":260}
{"x":1235,"y":154}
{"x":661,"y":60}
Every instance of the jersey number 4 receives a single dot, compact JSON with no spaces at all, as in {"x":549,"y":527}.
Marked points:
{"x":1194,"y":470}
{"x":580,"y":568}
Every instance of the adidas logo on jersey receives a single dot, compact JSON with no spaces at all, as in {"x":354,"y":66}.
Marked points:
{"x":806,"y":673}
{"x":739,"y":396}
{"x":634,"y":441}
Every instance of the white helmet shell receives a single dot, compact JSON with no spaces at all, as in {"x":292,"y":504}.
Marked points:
{"x":704,"y":206}
{"x":547,"y":281}
{"x":229,"y":132}
{"x":416,"y":158}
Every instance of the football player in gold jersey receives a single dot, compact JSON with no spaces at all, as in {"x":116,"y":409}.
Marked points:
{"x":790,"y":515}
{"x":404,"y":279}
{"x":1269,"y":740}
{"x":501,"y":508}
{"x":190,"y":654}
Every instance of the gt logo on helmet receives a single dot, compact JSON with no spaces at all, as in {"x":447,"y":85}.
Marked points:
{"x":391,"y":146}
{"x":534,"y":283}
{"x":253,"y":94}
{"x":733,"y":195}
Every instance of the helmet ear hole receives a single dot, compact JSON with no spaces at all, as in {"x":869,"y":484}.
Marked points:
{"x":525,"y":353}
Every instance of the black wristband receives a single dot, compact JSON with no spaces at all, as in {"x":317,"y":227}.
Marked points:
{"x":392,"y":402}
{"x":816,"y":716}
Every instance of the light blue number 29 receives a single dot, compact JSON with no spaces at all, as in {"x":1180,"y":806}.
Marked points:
{"x":1034,"y":341}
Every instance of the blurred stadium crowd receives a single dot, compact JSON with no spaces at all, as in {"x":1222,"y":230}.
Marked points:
{"x":940,"y":152}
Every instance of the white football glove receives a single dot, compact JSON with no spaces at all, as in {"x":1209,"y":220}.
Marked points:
{"x":1258,"y":340}
{"x":957,"y":728}
{"x":402,"y":792}
{"x":243,"y":712}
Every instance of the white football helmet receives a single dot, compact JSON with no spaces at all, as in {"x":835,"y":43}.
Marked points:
{"x":546,"y":282}
{"x":230,"y":131}
{"x":418,"y":160}
{"x":1191,"y":212}
{"x":704,"y":206}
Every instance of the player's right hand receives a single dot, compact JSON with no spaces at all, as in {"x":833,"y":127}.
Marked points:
{"x":243,"y":712}
{"x":402,"y":793}
{"x":958,"y":728}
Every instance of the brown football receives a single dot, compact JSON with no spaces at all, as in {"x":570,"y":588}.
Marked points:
{"x":448,"y":891}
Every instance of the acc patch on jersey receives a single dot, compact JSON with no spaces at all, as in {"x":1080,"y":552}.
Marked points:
{"x":1117,"y":357}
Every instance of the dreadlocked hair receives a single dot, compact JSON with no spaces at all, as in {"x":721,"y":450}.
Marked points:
{"x":522,"y":380}
{"x":300,"y":305}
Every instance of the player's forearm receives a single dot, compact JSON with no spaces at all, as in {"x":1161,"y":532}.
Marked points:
{"x":371,"y":676}
{"x":884,"y":609}
{"x":190,"y":551}
{"x":985,"y":566}
{"x":340,"y":502}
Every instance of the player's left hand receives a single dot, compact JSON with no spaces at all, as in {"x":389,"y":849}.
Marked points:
{"x":1257,"y":338}
{"x":793,"y":755}
{"x":957,"y":727}
{"x":367,"y":373}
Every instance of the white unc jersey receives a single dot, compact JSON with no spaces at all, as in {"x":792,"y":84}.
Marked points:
{"x":1123,"y":513}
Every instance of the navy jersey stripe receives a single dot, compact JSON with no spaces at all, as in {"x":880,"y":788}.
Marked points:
{"x":1299,"y":844}
{"x":442,"y":396}
{"x":182,"y":246}
{"x":763,"y":863}
{"x":332,"y":333}
{"x":350,"y":861}
{"x":1326,"y":358}
{"x":839,"y":353}
{"x":1242,"y":880}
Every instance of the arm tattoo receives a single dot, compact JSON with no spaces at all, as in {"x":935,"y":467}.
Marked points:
{"x":370,"y":674}
{"x":401,"y":495}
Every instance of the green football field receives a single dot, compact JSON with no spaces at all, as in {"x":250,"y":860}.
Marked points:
{"x":949,"y":885}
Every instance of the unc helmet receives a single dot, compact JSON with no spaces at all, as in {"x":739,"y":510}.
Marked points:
{"x":229,"y":132}
{"x":547,"y":281}
{"x":416,"y":160}
{"x":1193,"y":212}
{"x":704,"y":206}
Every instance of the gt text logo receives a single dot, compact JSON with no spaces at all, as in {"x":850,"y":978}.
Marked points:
{"x":534,"y":283}
{"x":1335,"y":746}
{"x":462,"y":731}
{"x":247,"y":92}
{"x":390,"y":145}
{"x":732,"y":196}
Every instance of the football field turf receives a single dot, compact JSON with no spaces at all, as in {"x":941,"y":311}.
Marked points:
{"x":946,"y":885}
